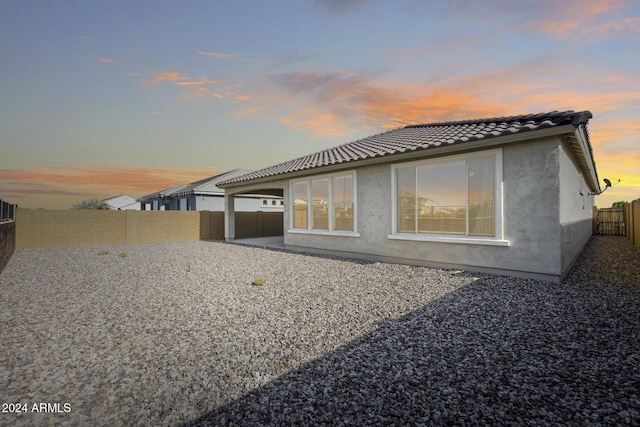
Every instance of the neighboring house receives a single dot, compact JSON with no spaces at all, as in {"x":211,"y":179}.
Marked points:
{"x":122,"y":202}
{"x":509,"y":195}
{"x":204,"y":195}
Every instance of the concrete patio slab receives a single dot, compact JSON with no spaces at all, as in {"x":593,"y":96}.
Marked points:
{"x":272,"y":242}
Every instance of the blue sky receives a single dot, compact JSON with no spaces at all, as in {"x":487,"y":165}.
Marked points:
{"x":102,"y":98}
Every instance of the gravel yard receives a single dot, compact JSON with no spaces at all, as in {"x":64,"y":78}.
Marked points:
{"x":176,"y":334}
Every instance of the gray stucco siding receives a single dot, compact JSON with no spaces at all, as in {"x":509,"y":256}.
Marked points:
{"x":530,"y":220}
{"x":576,"y":210}
{"x":535,"y":176}
{"x":574,"y":238}
{"x":531,"y":211}
{"x":576,"y":201}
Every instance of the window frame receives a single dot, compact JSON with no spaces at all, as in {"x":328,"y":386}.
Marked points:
{"x":331,"y":231}
{"x":496,"y":240}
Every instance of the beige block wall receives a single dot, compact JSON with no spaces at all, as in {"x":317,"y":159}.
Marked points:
{"x":162,"y":226}
{"x":74,"y":228}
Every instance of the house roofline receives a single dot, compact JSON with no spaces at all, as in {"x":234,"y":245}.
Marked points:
{"x":568,"y":129}
{"x":581,"y":149}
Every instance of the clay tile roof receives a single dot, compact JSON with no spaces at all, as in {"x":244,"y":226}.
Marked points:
{"x":421,"y":137}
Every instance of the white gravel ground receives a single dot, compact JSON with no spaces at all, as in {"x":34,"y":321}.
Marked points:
{"x":175,"y":334}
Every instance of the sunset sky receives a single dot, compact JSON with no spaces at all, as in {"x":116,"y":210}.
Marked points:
{"x":110,"y":97}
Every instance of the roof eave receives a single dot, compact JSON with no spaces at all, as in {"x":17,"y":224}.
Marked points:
{"x":209,"y":193}
{"x":581,"y":148}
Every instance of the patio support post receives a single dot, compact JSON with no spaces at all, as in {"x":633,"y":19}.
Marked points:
{"x":229,"y":217}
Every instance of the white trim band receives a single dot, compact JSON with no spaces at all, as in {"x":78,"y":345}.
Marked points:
{"x":324,"y":232}
{"x":449,"y":239}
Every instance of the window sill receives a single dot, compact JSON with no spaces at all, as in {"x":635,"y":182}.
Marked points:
{"x":450,"y":239}
{"x":324,"y":232}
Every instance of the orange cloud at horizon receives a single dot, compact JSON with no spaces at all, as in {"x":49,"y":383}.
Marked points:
{"x":66,"y":185}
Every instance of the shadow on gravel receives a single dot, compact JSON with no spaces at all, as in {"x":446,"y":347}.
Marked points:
{"x":497,"y":352}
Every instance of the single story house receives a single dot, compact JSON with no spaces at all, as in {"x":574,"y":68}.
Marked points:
{"x":204,"y":195}
{"x":122,"y":202}
{"x":507,"y":195}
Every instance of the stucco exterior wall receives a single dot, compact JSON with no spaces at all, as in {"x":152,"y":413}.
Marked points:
{"x":216,"y":204}
{"x":545,"y":219}
{"x":531,"y":209}
{"x":530,"y":221}
{"x":209,"y":203}
{"x":575,"y":202}
{"x":576,"y":210}
{"x":247,"y":204}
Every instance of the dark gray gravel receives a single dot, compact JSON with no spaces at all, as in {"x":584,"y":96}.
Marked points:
{"x":175,"y":334}
{"x":500,"y":351}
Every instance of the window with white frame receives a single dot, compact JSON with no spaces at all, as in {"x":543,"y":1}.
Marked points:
{"x":324,"y":203}
{"x":453,"y":196}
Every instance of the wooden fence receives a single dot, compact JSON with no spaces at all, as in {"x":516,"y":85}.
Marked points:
{"x":7,"y":242}
{"x":632,"y":214}
{"x":611,"y":222}
{"x":7,"y":232}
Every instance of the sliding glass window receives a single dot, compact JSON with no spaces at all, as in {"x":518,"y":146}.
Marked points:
{"x":447,"y":196}
{"x":324,"y":203}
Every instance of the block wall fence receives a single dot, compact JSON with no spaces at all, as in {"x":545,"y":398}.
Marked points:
{"x":37,"y":228}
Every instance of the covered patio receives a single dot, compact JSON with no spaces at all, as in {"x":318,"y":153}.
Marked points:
{"x":230,"y":209}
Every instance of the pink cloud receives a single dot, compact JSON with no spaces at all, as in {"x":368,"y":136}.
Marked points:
{"x":334,"y":103}
{"x":578,"y":18}
{"x":160,"y":77}
{"x":197,"y":88}
{"x":612,"y":28}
